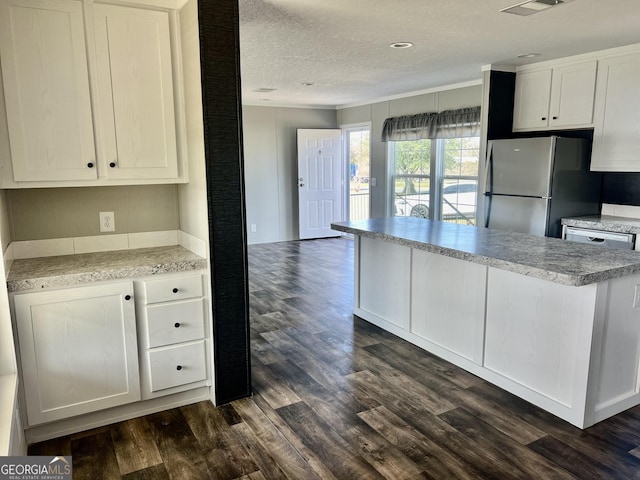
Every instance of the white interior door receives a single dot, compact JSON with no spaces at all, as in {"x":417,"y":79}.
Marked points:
{"x":320,"y":182}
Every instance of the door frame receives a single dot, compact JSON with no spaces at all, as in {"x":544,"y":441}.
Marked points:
{"x":346,"y":129}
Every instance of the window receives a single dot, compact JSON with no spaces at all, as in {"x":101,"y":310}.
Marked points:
{"x":435,"y":178}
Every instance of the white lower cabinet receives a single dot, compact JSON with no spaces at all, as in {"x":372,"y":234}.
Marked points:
{"x":78,"y":350}
{"x":90,"y":348}
{"x":172,"y":331}
{"x":176,"y":365}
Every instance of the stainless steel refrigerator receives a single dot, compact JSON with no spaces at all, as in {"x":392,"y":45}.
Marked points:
{"x":532,"y":183}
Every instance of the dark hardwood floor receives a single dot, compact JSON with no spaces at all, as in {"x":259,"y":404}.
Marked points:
{"x":337,"y":398}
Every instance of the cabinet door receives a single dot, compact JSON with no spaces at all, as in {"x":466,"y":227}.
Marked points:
{"x":46,"y":86}
{"x":447,"y":303}
{"x":78,"y":350}
{"x":572,"y":92}
{"x":531,"y":100}
{"x":616,"y":137}
{"x":135,"y":93}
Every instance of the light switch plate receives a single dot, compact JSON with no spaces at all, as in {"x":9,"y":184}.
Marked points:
{"x":107,"y":222}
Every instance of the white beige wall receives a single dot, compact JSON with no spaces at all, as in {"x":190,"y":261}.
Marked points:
{"x":7,"y":356}
{"x":43,"y":213}
{"x":193,"y":196}
{"x":271,"y":168}
{"x":377,"y":113}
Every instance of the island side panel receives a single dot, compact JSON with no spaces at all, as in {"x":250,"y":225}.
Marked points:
{"x":447,"y":304}
{"x":539,"y":335}
{"x":615,"y":372}
{"x":384,"y":282}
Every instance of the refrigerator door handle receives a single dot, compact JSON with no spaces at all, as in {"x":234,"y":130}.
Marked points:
{"x":488,"y":183}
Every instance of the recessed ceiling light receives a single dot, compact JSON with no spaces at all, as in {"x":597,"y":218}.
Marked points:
{"x":401,"y":45}
{"x":264,"y":90}
{"x":307,"y":84}
{"x":528,"y":55}
{"x":532,"y":6}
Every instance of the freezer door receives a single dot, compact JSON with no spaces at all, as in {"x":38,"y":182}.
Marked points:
{"x":519,"y":214}
{"x":521,"y":166}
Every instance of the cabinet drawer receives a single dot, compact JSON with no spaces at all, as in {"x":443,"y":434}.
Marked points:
{"x":177,"y":365}
{"x":173,"y":288}
{"x":175,"y":322}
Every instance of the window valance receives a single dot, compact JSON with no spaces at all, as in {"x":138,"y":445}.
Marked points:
{"x":464,"y":122}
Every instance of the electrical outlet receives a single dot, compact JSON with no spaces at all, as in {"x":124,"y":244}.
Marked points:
{"x":636,"y":297}
{"x":107,"y":222}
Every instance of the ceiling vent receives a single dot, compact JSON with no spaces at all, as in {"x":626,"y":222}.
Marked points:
{"x":532,"y":6}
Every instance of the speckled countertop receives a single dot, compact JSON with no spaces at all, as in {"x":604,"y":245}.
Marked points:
{"x":608,"y":223}
{"x":552,"y":259}
{"x":69,"y":270}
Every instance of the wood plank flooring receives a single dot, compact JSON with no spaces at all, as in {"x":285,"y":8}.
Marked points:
{"x":337,"y":398}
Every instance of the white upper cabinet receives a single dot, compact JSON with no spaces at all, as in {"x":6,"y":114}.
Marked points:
{"x":531,"y":100}
{"x":555,"y":98}
{"x":616,"y":138}
{"x":135,"y":93}
{"x":46,"y":85}
{"x":572,"y":94}
{"x":105,"y":109}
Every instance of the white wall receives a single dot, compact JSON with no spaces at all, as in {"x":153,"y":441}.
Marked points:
{"x":271,"y":163}
{"x":377,"y":113}
{"x":192,"y":197}
{"x":7,"y":355}
{"x":271,"y":168}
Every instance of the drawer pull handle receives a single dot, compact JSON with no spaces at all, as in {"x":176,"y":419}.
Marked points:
{"x":179,"y":367}
{"x":177,"y":324}
{"x":127,"y":297}
{"x":175,"y":290}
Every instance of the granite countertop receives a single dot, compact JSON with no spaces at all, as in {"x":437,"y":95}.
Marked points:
{"x":608,"y":223}
{"x":552,"y":259}
{"x":69,"y":270}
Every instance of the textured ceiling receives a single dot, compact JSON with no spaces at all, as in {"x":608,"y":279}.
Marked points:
{"x":342,"y":46}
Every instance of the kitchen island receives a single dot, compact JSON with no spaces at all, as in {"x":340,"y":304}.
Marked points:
{"x":553,"y":322}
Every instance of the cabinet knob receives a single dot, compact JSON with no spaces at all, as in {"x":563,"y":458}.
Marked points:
{"x":90,"y":164}
{"x":544,"y":118}
{"x":112,"y":164}
{"x":179,"y":367}
{"x":177,"y":324}
{"x":127,"y":297}
{"x":175,"y":290}
{"x":555,"y":118}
